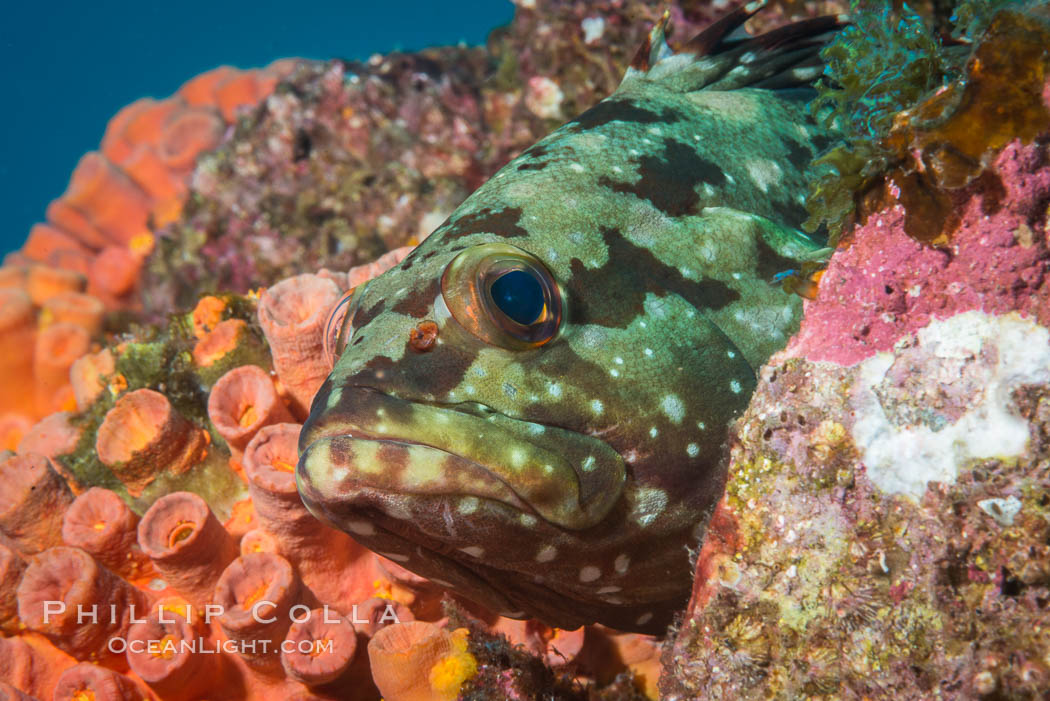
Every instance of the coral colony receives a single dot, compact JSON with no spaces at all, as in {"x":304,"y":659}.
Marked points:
{"x":736,"y":386}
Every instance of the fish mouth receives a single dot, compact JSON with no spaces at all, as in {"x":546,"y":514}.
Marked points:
{"x":362,"y":446}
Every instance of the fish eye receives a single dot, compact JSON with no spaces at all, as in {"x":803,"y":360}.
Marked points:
{"x":503,"y":295}
{"x":337,"y":328}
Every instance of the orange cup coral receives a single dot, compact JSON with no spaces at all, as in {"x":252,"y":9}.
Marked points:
{"x":90,"y":682}
{"x":320,"y":649}
{"x":163,"y":654}
{"x":242,"y":402}
{"x":293,"y":314}
{"x":32,"y":502}
{"x":17,"y":339}
{"x":102,"y":525}
{"x":62,"y":588}
{"x":187,"y":544}
{"x":418,"y":661}
{"x":57,"y":347}
{"x":256,"y":593}
{"x":143,"y":435}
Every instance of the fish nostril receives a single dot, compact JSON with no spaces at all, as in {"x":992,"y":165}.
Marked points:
{"x":423,"y":336}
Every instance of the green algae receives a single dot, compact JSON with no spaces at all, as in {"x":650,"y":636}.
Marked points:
{"x":159,"y":357}
{"x":921,"y":114}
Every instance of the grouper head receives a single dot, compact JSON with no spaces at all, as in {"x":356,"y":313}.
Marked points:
{"x":531,"y":408}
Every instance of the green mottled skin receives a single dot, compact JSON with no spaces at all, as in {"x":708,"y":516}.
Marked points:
{"x":566,"y":482}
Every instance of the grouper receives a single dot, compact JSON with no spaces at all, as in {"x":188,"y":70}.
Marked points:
{"x":532,"y":408}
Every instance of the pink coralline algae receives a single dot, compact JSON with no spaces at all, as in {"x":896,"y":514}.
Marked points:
{"x":886,"y":285}
{"x":884,"y":527}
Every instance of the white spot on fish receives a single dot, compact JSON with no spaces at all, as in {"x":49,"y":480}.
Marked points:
{"x":589,"y":573}
{"x":673,"y":408}
{"x":653,"y":432}
{"x":588,"y":463}
{"x":546,"y":553}
{"x":468,"y":505}
{"x":650,"y":503}
{"x":396,"y":557}
{"x":731,"y":354}
{"x":576,"y":167}
{"x":614,"y":372}
{"x":473,"y":550}
{"x":597,"y":406}
{"x":701,"y":425}
{"x":609,"y":590}
{"x":528,"y":520}
{"x":692,"y":450}
{"x":554,"y":389}
{"x":644,"y":618}
{"x":735,"y":386}
{"x":618,"y":360}
{"x":622,"y":563}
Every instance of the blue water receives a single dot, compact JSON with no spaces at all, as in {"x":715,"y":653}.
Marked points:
{"x":70,"y":66}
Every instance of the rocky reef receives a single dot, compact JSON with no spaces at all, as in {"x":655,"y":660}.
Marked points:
{"x":884,"y":527}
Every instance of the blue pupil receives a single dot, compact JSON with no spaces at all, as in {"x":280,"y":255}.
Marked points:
{"x":518,"y":294}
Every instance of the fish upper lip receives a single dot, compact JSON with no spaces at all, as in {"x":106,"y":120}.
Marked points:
{"x":508,"y":465}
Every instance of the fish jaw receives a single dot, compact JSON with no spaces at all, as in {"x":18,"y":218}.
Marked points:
{"x":366,"y":440}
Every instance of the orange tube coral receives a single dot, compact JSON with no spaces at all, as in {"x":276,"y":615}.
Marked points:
{"x":163,"y":655}
{"x":419,"y":661}
{"x":75,"y":308}
{"x":293,"y":314}
{"x":363,"y":273}
{"x":322,"y":555}
{"x":143,"y":435}
{"x":17,"y":339}
{"x":53,"y":436}
{"x":378,"y":613}
{"x":258,"y":541}
{"x":12,"y":566}
{"x":71,"y":220}
{"x":12,"y":428}
{"x":256,"y":593}
{"x":44,"y":282}
{"x":200,"y":90}
{"x":228,"y":345}
{"x":320,"y":649}
{"x":10,"y":693}
{"x":217,"y":342}
{"x":187,"y":544}
{"x":45,"y":241}
{"x":187,"y":135}
{"x":236,"y":91}
{"x":109,"y":199}
{"x":242,"y":402}
{"x":32,"y":664}
{"x":91,"y":682}
{"x":57,"y":346}
{"x":114,"y":271}
{"x":88,"y":376}
{"x":78,"y":604}
{"x":102,"y":525}
{"x":149,"y":172}
{"x":145,"y":124}
{"x":32,"y":502}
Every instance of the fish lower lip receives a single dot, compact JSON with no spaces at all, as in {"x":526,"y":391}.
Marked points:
{"x":366,"y":442}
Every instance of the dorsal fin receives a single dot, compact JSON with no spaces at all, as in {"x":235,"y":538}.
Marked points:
{"x":719,"y":58}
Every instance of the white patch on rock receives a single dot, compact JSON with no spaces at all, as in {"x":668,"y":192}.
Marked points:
{"x":996,"y":354}
{"x":593,"y":28}
{"x":1002,"y":510}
